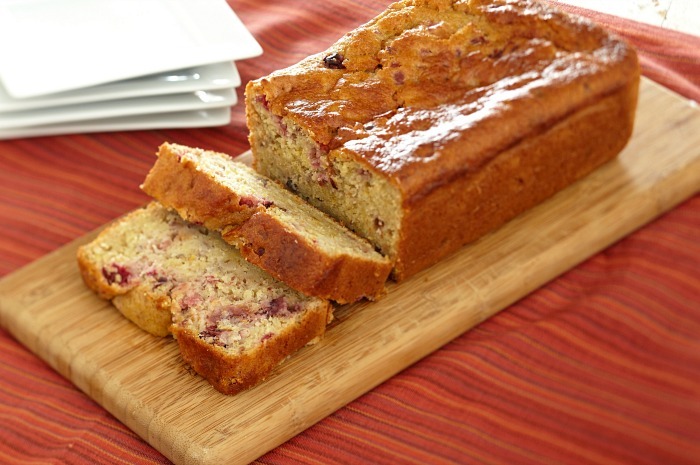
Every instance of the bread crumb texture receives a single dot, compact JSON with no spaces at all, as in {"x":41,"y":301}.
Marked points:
{"x":237,"y":312}
{"x":272,"y":227}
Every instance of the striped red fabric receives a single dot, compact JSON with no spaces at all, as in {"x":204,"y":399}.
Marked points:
{"x":601,"y":366}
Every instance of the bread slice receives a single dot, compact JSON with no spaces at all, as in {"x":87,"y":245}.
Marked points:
{"x":272,"y":227}
{"x":233,"y":322}
{"x":439,"y":120}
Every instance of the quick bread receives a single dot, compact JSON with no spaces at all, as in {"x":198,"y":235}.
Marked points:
{"x":439,"y":120}
{"x":233,"y":322}
{"x":272,"y":227}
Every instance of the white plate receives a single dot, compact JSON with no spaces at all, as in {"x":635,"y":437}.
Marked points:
{"x":175,"y":120}
{"x":198,"y":100}
{"x":51,"y":46}
{"x":208,"y":77}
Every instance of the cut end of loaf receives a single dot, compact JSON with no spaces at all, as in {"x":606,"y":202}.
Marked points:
{"x":346,"y":189}
{"x":232,"y":318}
{"x":209,"y":352}
{"x":273,"y":228}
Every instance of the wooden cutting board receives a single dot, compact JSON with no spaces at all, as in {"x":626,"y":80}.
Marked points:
{"x":141,"y":380}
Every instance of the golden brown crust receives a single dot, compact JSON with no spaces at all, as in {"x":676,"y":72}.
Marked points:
{"x":459,"y":93}
{"x":177,"y":183}
{"x":147,"y":309}
{"x":399,"y":71}
{"x":267,"y":243}
{"x":518,"y":179}
{"x":232,"y":374}
{"x":263,"y":239}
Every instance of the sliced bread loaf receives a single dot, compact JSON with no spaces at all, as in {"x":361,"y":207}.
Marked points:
{"x":272,"y":227}
{"x":233,"y":322}
{"x":438,"y":121}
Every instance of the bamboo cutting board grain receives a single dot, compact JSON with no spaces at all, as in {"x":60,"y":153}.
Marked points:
{"x":141,"y":380}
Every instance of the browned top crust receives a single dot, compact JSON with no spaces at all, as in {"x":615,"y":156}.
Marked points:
{"x":427,"y":75}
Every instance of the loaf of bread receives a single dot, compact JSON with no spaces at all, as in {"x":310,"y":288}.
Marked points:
{"x":233,"y":322}
{"x":272,"y":227}
{"x":439,"y":120}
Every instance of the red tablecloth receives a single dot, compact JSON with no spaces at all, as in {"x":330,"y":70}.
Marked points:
{"x":602,"y":365}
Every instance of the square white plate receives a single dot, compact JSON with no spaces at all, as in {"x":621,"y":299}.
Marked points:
{"x":52,"y":46}
{"x":198,"y":100}
{"x":174,"y":120}
{"x":208,"y":77}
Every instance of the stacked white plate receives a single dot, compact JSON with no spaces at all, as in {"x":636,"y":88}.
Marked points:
{"x":70,"y":66}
